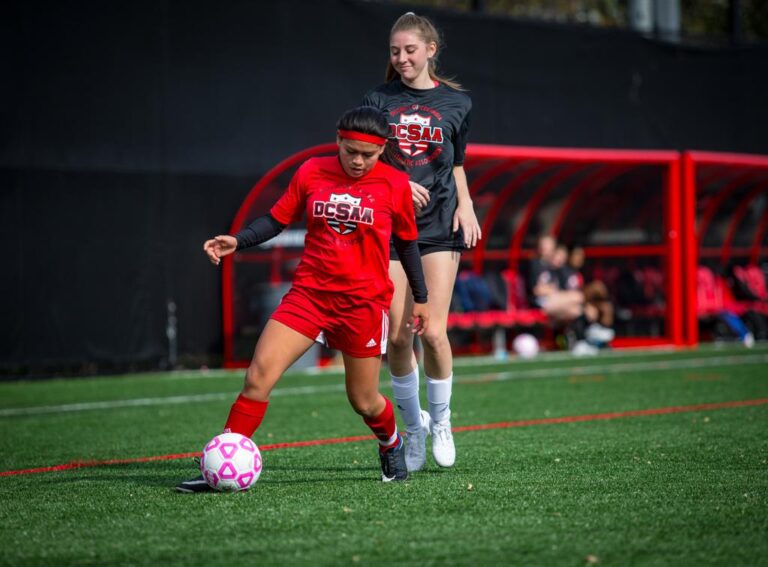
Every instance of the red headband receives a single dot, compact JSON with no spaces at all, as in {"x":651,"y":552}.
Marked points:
{"x":352,"y":135}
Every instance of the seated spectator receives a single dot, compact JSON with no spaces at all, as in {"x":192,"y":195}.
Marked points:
{"x":598,"y":306}
{"x":473,"y":292}
{"x":556,"y":288}
{"x":560,"y":305}
{"x":571,"y":276}
{"x":714,"y":304}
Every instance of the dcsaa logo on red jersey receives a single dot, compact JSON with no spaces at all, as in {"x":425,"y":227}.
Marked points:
{"x":343,"y":212}
{"x":414,"y":133}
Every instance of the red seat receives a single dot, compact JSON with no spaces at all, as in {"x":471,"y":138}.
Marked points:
{"x":461,"y":320}
{"x":753,"y":278}
{"x":709,"y":296}
{"x":517,"y":312}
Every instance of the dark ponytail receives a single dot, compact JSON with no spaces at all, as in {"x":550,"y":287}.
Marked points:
{"x":366,"y":120}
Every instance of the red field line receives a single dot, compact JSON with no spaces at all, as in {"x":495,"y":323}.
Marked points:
{"x":614,"y":415}
{"x":336,"y":440}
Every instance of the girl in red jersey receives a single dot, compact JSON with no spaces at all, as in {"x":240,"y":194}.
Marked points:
{"x":429,"y":119}
{"x":341,"y":290}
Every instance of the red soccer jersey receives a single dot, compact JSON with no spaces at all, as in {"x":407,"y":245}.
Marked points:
{"x":349,"y":222}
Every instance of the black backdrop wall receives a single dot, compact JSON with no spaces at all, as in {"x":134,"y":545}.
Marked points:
{"x":130,"y":132}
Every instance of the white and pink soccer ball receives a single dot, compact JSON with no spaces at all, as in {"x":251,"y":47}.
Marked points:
{"x":526,"y":345}
{"x":230,"y":463}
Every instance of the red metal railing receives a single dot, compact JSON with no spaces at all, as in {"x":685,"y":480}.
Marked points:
{"x":684,"y":176}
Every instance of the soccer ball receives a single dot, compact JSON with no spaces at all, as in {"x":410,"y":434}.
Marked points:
{"x":230,"y":463}
{"x":526,"y":345}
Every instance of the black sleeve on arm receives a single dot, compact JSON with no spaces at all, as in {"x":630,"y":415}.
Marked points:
{"x":260,"y":230}
{"x":408,"y":251}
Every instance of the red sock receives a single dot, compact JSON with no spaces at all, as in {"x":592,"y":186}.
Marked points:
{"x":245,"y":416}
{"x":384,"y":426}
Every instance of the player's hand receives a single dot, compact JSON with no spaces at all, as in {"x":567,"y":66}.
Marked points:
{"x":218,"y":247}
{"x":419,"y":320}
{"x":420,"y":197}
{"x":465,"y":218}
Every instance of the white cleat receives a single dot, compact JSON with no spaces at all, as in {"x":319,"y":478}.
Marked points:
{"x":416,"y":447}
{"x":443,"y":449}
{"x":583,"y":348}
{"x":596,"y":334}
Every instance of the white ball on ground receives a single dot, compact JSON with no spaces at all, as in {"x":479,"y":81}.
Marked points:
{"x":525,"y":345}
{"x":230,"y":462}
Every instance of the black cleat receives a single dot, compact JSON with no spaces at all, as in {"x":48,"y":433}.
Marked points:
{"x":197,"y":484}
{"x":393,"y":462}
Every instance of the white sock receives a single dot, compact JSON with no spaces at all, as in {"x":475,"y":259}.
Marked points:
{"x":389,"y":442}
{"x":439,"y":398}
{"x":406,"y":394}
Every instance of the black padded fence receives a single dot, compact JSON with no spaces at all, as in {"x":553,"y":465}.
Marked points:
{"x":130,"y":132}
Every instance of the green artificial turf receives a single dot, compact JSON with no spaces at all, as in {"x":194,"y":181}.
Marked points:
{"x":685,"y":488}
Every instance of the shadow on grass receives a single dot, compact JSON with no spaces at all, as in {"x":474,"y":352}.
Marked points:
{"x":167,"y":475}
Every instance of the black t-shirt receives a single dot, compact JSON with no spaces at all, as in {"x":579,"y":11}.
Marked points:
{"x":539,"y":272}
{"x":428,"y":133}
{"x":568,"y":279}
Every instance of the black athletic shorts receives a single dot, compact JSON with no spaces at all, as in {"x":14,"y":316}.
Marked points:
{"x":425,"y":248}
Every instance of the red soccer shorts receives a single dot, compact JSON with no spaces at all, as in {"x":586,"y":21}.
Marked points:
{"x":352,"y":325}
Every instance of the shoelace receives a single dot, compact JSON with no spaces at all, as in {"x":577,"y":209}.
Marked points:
{"x":388,"y":458}
{"x":443,"y":433}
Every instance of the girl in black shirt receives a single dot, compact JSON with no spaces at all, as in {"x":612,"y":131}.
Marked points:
{"x":429,"y":119}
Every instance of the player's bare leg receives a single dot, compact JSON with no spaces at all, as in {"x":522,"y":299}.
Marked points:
{"x":362,"y":384}
{"x":440,"y":269}
{"x":404,"y":370}
{"x":278,"y":347}
{"x":400,"y":356}
{"x":361,"y":377}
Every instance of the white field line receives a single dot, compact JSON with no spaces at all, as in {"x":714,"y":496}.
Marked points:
{"x":616,"y":368}
{"x":163,"y":400}
{"x":460,"y":362}
{"x":585,"y":370}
